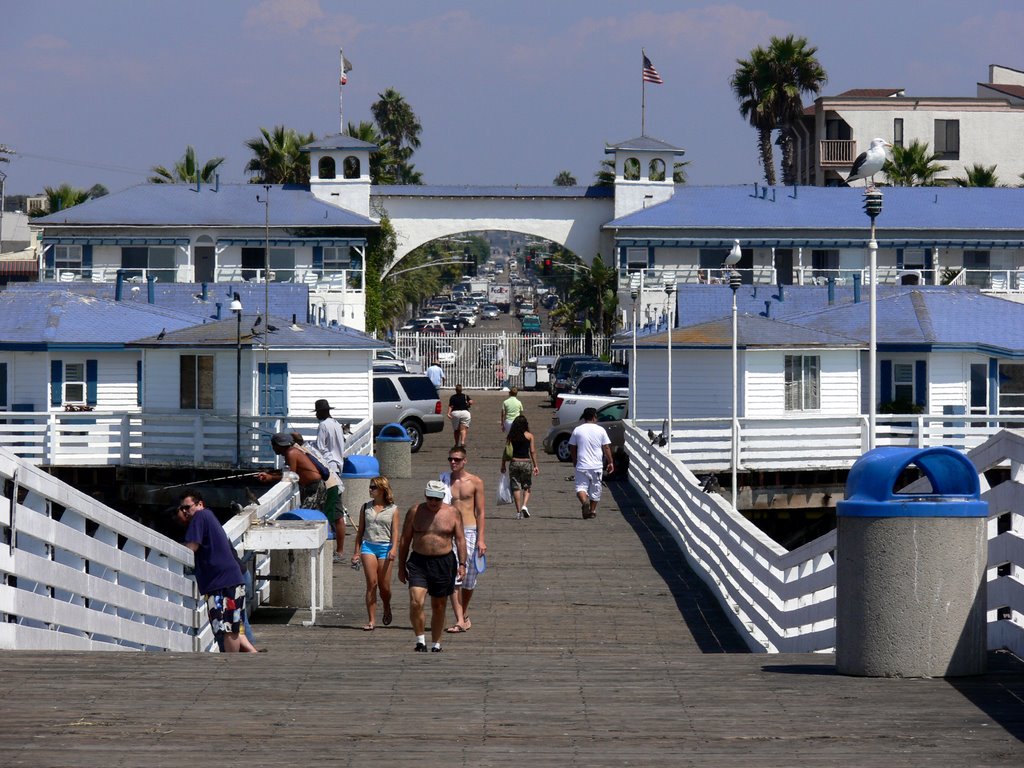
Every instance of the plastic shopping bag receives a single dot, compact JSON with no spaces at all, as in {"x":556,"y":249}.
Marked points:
{"x":504,"y":490}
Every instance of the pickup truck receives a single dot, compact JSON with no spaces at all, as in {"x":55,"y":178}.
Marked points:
{"x":569,"y":408}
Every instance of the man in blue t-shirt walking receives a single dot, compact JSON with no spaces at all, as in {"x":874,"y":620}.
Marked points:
{"x":217,"y":572}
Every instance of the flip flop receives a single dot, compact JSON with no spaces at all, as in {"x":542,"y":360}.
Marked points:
{"x":386,"y":621}
{"x":368,"y":628}
{"x":455,"y":629}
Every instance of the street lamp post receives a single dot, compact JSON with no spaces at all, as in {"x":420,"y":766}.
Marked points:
{"x":872,"y":207}
{"x":734,"y":282}
{"x":635,"y":281}
{"x":669,"y":283}
{"x":236,"y":307}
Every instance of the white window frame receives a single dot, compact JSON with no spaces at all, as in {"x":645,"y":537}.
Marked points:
{"x":73,"y":389}
{"x":67,"y":257}
{"x":802,"y":382}
{"x":903,"y":384}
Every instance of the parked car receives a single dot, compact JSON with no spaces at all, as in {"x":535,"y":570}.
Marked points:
{"x":569,"y":407}
{"x":558,"y":377}
{"x":601,"y":382}
{"x":408,"y":399}
{"x":444,"y":353}
{"x":388,"y":358}
{"x":581,"y":367}
{"x":490,"y":312}
{"x":612,"y":417}
{"x":531,"y":324}
{"x":488,"y":354}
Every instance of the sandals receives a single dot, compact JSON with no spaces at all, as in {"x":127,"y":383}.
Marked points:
{"x":455,"y":629}
{"x":386,"y":620}
{"x":368,"y":628}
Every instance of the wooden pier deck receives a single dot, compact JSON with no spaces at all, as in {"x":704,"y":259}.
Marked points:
{"x":592,"y":645}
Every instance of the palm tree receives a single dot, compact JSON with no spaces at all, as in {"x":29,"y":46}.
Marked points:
{"x":399,"y":126}
{"x":605,"y":174}
{"x":278,"y":157}
{"x":186,"y":170}
{"x":770,"y":88}
{"x":796,"y":72}
{"x":61,"y":198}
{"x":752,"y":85}
{"x":380,"y":161}
{"x":979,"y":175}
{"x":912,"y":166}
{"x":591,"y":295}
{"x":564,"y":179}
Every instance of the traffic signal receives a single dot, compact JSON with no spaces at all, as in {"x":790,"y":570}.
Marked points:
{"x":547,"y":266}
{"x":529,"y":260}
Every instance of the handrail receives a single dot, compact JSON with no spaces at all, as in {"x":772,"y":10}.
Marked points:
{"x":784,"y":601}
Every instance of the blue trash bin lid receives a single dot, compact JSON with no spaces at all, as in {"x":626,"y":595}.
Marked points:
{"x":955,"y":488}
{"x":307,"y":514}
{"x":393,"y":433}
{"x":360,"y":466}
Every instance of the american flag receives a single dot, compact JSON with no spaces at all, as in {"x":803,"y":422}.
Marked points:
{"x":650,"y":73}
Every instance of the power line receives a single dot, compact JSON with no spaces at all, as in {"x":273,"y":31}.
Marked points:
{"x":80,"y":163}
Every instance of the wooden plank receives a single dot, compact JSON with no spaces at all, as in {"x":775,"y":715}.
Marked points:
{"x":592,"y":644}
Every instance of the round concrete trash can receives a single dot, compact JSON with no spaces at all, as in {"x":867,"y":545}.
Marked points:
{"x":290,"y":587}
{"x":356,"y":474}
{"x":393,"y":447}
{"x":910,"y":567}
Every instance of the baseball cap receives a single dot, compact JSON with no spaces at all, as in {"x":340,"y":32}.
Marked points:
{"x":282,"y":440}
{"x":435,"y":490}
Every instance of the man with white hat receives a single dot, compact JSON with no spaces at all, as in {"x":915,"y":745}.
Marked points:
{"x":427,"y":563}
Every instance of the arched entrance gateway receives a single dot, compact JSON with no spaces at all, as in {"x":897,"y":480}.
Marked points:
{"x":573,"y":217}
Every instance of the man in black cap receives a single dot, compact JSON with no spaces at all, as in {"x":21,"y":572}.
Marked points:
{"x":330,"y":444}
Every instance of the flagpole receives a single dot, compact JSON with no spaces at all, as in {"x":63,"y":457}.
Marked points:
{"x":341,"y":90}
{"x":643,"y":95}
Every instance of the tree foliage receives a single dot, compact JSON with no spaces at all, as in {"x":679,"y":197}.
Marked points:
{"x":278,"y":157}
{"x":912,"y":166}
{"x":564,"y":179}
{"x":979,"y":175}
{"x":187,"y":170}
{"x":61,"y":198}
{"x":769,"y":87}
{"x":591,"y":295}
{"x":399,"y":128}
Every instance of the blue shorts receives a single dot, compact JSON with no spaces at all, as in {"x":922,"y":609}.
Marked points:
{"x":377,"y":549}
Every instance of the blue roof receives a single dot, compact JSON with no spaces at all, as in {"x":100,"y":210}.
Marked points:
{"x":470,"y":190}
{"x":229,"y":205}
{"x":996,"y":211}
{"x":339,"y":141}
{"x":286,"y":299}
{"x":644,"y":144}
{"x":913,"y":318}
{"x":278,"y":332}
{"x":58,"y":318}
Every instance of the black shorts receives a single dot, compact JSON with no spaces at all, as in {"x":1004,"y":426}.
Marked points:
{"x":434,"y":572}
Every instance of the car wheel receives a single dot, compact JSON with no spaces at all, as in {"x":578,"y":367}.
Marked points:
{"x":416,"y":433}
{"x":562,"y":449}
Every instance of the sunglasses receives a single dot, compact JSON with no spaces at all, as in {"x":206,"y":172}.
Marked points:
{"x":185,"y":507}
{"x":456,"y":459}
{"x":374,"y":487}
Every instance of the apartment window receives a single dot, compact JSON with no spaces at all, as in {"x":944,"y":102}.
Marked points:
{"x":155,"y":260}
{"x":947,"y":139}
{"x":897,"y":132}
{"x":1011,"y":388}
{"x":803,"y":382}
{"x":196,"y":382}
{"x":336,"y":259}
{"x":74,"y":384}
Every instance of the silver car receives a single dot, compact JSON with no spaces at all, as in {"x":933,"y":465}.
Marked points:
{"x":612,"y":417}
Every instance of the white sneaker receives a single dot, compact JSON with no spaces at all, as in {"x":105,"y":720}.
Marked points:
{"x":526,"y":512}
{"x":519,"y":515}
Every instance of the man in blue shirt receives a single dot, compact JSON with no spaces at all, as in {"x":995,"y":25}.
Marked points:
{"x":217,"y":573}
{"x":436,"y":374}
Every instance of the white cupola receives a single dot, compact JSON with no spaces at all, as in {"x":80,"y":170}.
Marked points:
{"x":643,"y":173}
{"x":339,"y":172}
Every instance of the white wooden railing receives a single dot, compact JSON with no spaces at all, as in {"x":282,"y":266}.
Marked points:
{"x":104,"y":438}
{"x":784,"y":601}
{"x":78,"y":575}
{"x":817,"y":442}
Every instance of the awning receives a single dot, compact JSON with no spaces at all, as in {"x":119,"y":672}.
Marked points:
{"x":815,"y":242}
{"x":10,"y":267}
{"x":293,"y":242}
{"x":182,"y":241}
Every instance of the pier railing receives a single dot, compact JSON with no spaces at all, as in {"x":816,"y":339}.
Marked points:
{"x":173,"y":439}
{"x":784,"y":601}
{"x":77,"y":575}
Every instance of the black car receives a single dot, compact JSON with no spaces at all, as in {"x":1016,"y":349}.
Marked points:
{"x":557,"y":381}
{"x":601,"y":382}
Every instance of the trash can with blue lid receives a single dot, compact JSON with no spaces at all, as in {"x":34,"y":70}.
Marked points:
{"x":910,"y":566}
{"x":356,"y":473}
{"x":394,"y":449}
{"x":290,"y":571}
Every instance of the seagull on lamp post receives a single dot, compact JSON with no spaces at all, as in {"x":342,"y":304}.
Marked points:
{"x":869,"y":163}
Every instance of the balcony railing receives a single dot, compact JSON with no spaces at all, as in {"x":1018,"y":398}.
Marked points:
{"x":837,"y":152}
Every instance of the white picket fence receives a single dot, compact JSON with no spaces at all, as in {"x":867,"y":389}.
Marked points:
{"x":784,"y":601}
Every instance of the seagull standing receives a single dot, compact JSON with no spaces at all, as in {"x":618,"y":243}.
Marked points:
{"x":869,"y":163}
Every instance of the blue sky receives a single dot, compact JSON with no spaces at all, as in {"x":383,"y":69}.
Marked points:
{"x":101,"y":90}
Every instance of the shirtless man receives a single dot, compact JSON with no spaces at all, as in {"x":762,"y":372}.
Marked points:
{"x":467,"y":495}
{"x":432,"y":566}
